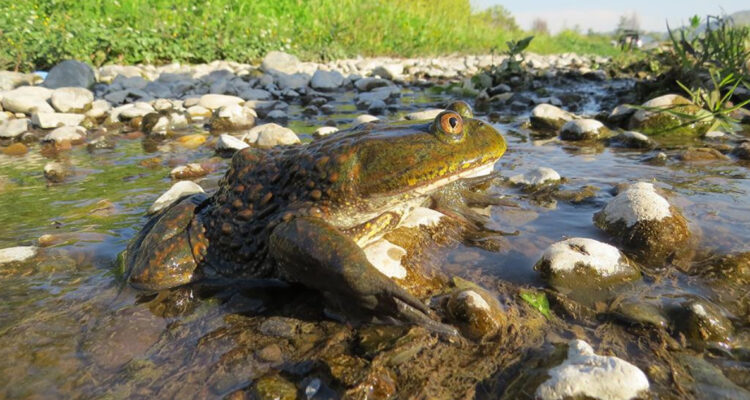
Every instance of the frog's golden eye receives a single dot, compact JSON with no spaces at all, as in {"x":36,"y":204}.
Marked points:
{"x":449,"y":127}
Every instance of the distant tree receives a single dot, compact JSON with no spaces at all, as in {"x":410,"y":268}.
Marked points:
{"x":540,"y":26}
{"x":500,"y":17}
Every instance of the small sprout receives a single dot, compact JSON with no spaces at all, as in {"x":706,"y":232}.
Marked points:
{"x":538,"y":300}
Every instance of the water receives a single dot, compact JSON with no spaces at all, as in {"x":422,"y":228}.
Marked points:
{"x":70,"y":328}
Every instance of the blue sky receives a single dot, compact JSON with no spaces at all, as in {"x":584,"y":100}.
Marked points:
{"x":602,"y":16}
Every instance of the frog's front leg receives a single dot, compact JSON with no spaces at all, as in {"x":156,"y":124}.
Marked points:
{"x":311,"y":252}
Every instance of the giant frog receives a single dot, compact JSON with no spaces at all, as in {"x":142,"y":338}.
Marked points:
{"x":303,"y":213}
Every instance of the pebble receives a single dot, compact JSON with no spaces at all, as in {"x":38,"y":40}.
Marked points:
{"x":363,"y":119}
{"x":56,"y":120}
{"x":233,"y":117}
{"x":72,"y":134}
{"x":586,"y":374}
{"x":13,"y":128}
{"x":269,"y":135}
{"x":537,"y":176}
{"x":326,"y":80}
{"x":17,"y":254}
{"x":15,"y":149}
{"x":582,"y":129}
{"x":216,"y":101}
{"x":549,"y":117}
{"x":634,"y":140}
{"x":190,"y":171}
{"x":176,"y":192}
{"x":55,"y":171}
{"x":325,"y":131}
{"x":230,"y":143}
{"x":71,"y":99}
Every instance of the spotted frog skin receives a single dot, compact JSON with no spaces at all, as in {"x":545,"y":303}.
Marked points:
{"x":303,"y":213}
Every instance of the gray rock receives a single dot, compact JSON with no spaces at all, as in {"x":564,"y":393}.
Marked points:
{"x":72,"y":134}
{"x":583,"y":129}
{"x":279,"y":62}
{"x":389,"y":71}
{"x":27,"y":99}
{"x":326,"y":80}
{"x":158,"y":90}
{"x":376,"y":107}
{"x":367,"y":84}
{"x":255,"y":94}
{"x":70,"y":73}
{"x":71,"y":99}
{"x":277,"y":115}
{"x":536,"y":176}
{"x":176,"y":192}
{"x":549,"y":117}
{"x":293,"y":81}
{"x":13,"y":128}
{"x":17,"y":254}
{"x":56,"y":120}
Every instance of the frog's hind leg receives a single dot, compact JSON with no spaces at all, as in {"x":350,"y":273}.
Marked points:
{"x":167,"y":251}
{"x":311,"y":252}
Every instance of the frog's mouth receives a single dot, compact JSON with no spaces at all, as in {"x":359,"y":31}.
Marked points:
{"x":473,"y":172}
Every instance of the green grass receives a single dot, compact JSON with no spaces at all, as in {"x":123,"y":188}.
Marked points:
{"x":38,"y":34}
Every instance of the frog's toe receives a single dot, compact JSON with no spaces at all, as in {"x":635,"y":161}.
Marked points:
{"x":165,"y":253}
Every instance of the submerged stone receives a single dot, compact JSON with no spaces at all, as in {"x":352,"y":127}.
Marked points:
{"x":660,"y":117}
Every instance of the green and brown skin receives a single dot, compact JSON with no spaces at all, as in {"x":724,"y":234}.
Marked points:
{"x":302,"y":213}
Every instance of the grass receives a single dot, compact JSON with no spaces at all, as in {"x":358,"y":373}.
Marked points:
{"x":38,"y":34}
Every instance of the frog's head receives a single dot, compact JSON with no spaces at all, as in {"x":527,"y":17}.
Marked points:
{"x":417,"y":158}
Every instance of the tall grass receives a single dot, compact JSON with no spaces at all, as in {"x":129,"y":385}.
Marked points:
{"x":40,"y":33}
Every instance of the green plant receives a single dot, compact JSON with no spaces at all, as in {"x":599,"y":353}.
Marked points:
{"x":537,"y":300}
{"x":718,"y":106}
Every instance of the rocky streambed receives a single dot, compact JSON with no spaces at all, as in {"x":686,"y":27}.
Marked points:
{"x":625,"y":274}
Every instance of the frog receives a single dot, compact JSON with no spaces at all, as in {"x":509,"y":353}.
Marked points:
{"x":303,"y":213}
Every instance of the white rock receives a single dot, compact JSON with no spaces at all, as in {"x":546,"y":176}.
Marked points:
{"x":386,"y":257}
{"x":27,"y":99}
{"x":325,"y":131}
{"x":634,"y":139}
{"x":715,"y":135}
{"x":99,"y":108}
{"x":664,"y":101}
{"x":587,"y":374}
{"x":326,"y":80}
{"x":422,"y":216}
{"x":71,"y":99}
{"x":176,"y":192}
{"x":279,"y":62}
{"x":600,"y":257}
{"x":639,"y":202}
{"x":269,"y":135}
{"x":536,"y":176}
{"x":232,"y":117}
{"x":548,"y":116}
{"x":364,"y":118}
{"x":162,"y":104}
{"x":55,"y":171}
{"x":581,"y":129}
{"x":65,"y":134}
{"x":55,"y":120}
{"x":230,"y":143}
{"x":13,"y":128}
{"x":198,"y":113}
{"x":17,"y":254}
{"x":422,"y":115}
{"x":215,"y":101}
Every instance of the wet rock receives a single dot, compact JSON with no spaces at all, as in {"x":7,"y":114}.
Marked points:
{"x":364,"y":118}
{"x":274,"y":387}
{"x":190,"y":171}
{"x":326,"y":80}
{"x":621,"y":114}
{"x":476,"y":312}
{"x":101,"y":143}
{"x":633,"y":140}
{"x":55,"y":171}
{"x":99,"y":109}
{"x":586,"y":374}
{"x":229,"y":143}
{"x":199,"y":113}
{"x":63,"y":134}
{"x":232,"y":117}
{"x":216,"y":101}
{"x":386,"y":257}
{"x":644,"y":222}
{"x":277,"y":115}
{"x":701,"y":154}
{"x":742,"y":151}
{"x":17,"y":254}
{"x":15,"y":149}
{"x":176,"y":192}
{"x":71,"y":99}
{"x":255,"y":94}
{"x":280,"y":327}
{"x":424,"y":115}
{"x":638,"y":311}
{"x":70,"y":73}
{"x":155,"y":124}
{"x":325,"y":131}
{"x":191,"y":141}
{"x":376,"y":107}
{"x":665,"y":123}
{"x":709,"y":381}
{"x":13,"y":128}
{"x":583,"y":129}
{"x":368,"y":84}
{"x":584,"y":263}
{"x":549,"y":117}
{"x":536,"y":176}
{"x":702,"y":322}
{"x":56,"y":120}
{"x":732,"y":267}
{"x":27,"y":100}
{"x":269,"y":135}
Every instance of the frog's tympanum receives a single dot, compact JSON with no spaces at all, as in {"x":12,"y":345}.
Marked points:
{"x":303,"y":213}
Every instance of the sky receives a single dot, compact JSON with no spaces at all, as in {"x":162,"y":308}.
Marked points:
{"x":603,"y":16}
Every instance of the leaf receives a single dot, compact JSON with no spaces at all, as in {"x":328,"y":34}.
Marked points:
{"x":538,"y":300}
{"x":522,"y":44}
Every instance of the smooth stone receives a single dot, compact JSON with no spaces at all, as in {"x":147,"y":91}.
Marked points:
{"x":368,"y":84}
{"x":233,"y":117}
{"x":230,"y":143}
{"x":15,"y":149}
{"x":10,"y":80}
{"x":176,"y":192}
{"x":17,"y":254}
{"x":634,"y":140}
{"x":13,"y":128}
{"x":293,"y":81}
{"x":325,"y":131}
{"x":27,"y":99}
{"x":386,"y":257}
{"x":639,"y":202}
{"x":198,"y":113}
{"x":389,"y":71}
{"x":63,"y":134}
{"x":70,"y":73}
{"x":269,"y":135}
{"x":99,"y":109}
{"x":255,"y":94}
{"x":71,"y":99}
{"x":475,"y":311}
{"x":215,"y":101}
{"x":55,"y":171}
{"x":582,"y":129}
{"x":424,"y":115}
{"x":586,"y":374}
{"x":364,"y":118}
{"x":703,"y":322}
{"x":190,"y":171}
{"x":621,"y":113}
{"x":537,"y":176}
{"x":326,"y":80}
{"x":664,"y":123}
{"x":279,"y":62}
{"x":155,"y":124}
{"x":277,"y":115}
{"x":56,"y":120}
{"x":549,"y":117}
{"x":701,"y":154}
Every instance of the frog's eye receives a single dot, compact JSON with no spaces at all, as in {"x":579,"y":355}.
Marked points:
{"x":462,"y":108}
{"x":449,"y":126}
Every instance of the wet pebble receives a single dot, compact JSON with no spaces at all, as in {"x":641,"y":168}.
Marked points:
{"x":190,"y":171}
{"x":55,"y":171}
{"x":325,"y":131}
{"x":536,"y":176}
{"x":232,"y":117}
{"x":229,"y":143}
{"x":476,"y":312}
{"x":701,"y":154}
{"x":15,"y":149}
{"x":549,"y":117}
{"x":17,"y":254}
{"x":269,"y":135}
{"x":176,"y":192}
{"x":363,"y":119}
{"x":583,"y":129}
{"x":274,"y":387}
{"x":633,"y":140}
{"x":702,"y":322}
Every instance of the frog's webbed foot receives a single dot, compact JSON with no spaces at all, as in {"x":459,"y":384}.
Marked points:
{"x":165,"y":253}
{"x":311,"y":252}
